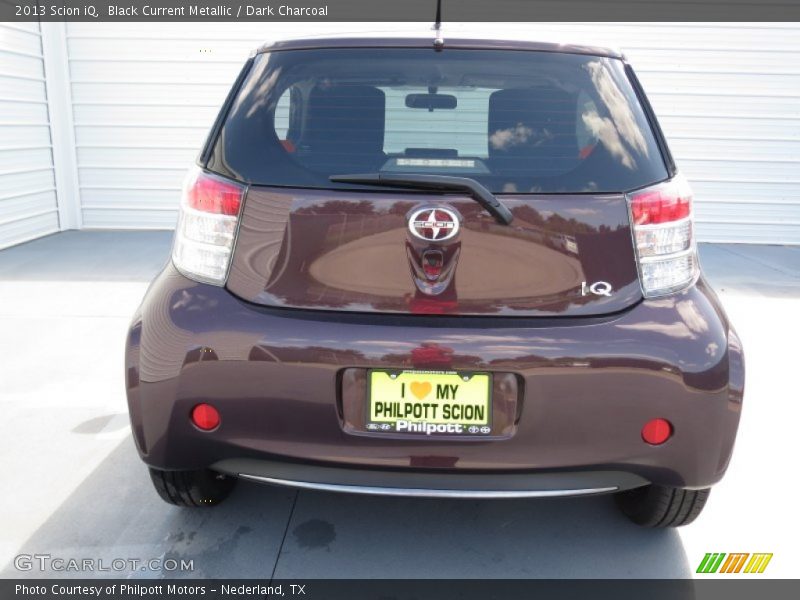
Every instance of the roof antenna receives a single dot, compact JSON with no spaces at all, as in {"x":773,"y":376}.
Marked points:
{"x":438,"y":42}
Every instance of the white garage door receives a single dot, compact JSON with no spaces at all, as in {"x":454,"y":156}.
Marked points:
{"x":143,"y":101}
{"x":28,"y":207}
{"x":728,"y":97}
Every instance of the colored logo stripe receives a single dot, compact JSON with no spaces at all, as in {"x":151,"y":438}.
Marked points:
{"x":733,"y":564}
{"x":758,"y":563}
{"x":711,"y":562}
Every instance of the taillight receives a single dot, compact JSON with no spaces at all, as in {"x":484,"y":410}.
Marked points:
{"x":206,"y":226}
{"x":661,"y":218}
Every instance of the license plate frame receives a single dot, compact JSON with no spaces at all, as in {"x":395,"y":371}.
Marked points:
{"x":429,"y":422}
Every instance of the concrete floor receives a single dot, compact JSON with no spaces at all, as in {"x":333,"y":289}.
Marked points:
{"x":74,"y":487}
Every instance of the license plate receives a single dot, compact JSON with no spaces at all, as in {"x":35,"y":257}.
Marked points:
{"x":429,"y":402}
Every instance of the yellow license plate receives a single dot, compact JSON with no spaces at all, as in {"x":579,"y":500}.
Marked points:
{"x":429,"y":402}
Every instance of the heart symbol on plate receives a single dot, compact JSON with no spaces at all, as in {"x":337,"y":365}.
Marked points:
{"x":420,"y":389}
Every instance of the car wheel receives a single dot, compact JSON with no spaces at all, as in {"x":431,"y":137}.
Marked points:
{"x":661,"y":506}
{"x":192,"y":488}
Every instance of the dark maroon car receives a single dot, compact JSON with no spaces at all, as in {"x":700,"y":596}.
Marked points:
{"x":463,"y":269}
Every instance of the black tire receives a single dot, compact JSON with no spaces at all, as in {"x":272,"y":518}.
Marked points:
{"x":192,"y":488}
{"x":660,"y":506}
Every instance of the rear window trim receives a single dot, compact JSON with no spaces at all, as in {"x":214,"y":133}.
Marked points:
{"x":427,"y":43}
{"x":211,"y":139}
{"x":650,"y":115}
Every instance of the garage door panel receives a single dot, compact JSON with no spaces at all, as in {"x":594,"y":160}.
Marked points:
{"x":751,"y":127}
{"x":141,"y":136}
{"x":15,"y":159}
{"x":28,"y":228}
{"x":24,"y":111}
{"x":32,"y":27}
{"x":750,"y":212}
{"x":196,"y":48}
{"x":756,"y":62}
{"x":716,"y":105}
{"x":203,"y":72}
{"x":634,"y":37}
{"x":15,"y":88}
{"x":146,"y":114}
{"x":165,"y":30}
{"x":15,"y":39}
{"x":25,"y":136}
{"x":17,"y":64}
{"x":14,"y":183}
{"x":745,"y":192}
{"x":739,"y":150}
{"x":149,"y":93}
{"x":749,"y":233}
{"x":25,"y":205}
{"x":728,"y":82}
{"x":145,"y":157}
{"x":141,"y":178}
{"x":732,"y":170}
{"x":28,"y":203}
{"x":116,"y":218}
{"x":132,"y":198}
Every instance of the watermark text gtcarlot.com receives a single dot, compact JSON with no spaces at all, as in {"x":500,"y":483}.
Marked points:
{"x":48,"y":562}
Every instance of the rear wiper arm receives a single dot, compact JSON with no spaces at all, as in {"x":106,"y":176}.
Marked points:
{"x":437,"y":183}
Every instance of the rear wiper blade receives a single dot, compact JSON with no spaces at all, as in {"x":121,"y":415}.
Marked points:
{"x":437,"y":183}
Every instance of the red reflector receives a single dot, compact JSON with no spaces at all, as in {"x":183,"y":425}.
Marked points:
{"x":656,"y":431}
{"x":205,"y":417}
{"x":213,"y":195}
{"x":661,"y":204}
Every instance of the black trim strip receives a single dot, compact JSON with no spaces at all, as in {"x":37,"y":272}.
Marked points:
{"x":661,"y":140}
{"x":211,"y":140}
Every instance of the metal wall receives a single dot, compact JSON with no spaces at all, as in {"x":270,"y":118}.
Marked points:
{"x":28,"y":207}
{"x":143,"y":101}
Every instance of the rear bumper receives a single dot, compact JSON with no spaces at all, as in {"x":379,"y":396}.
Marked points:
{"x":430,"y":484}
{"x":587,"y":387}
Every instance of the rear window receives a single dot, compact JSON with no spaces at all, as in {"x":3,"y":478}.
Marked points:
{"x":516,"y":121}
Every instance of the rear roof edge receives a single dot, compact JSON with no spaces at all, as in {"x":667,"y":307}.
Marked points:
{"x":427,"y":42}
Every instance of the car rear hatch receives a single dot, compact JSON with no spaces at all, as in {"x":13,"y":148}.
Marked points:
{"x":321,"y":137}
{"x":353,"y":251}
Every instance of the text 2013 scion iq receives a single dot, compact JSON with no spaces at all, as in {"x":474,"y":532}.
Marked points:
{"x":462,"y":269}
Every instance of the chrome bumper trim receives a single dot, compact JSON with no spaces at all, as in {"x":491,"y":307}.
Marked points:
{"x":426,"y":493}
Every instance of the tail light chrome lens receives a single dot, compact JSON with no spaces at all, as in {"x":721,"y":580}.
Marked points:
{"x":663,"y":233}
{"x":207,"y":224}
